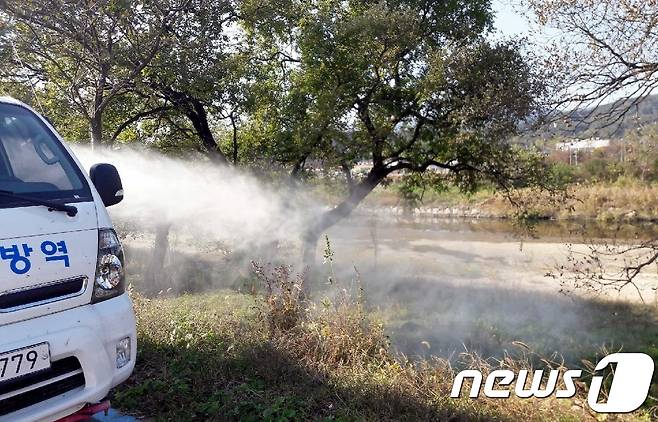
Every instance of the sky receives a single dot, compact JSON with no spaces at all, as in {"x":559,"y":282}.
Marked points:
{"x":509,"y":21}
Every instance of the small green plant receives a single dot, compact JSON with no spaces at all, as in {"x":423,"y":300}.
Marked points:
{"x":328,"y":258}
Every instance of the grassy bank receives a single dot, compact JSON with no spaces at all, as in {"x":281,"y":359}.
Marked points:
{"x":623,"y":200}
{"x":230,"y":356}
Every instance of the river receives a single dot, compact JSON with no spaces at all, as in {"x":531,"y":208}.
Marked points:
{"x":447,"y":286}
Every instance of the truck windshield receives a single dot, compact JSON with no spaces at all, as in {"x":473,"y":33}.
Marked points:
{"x":33,"y":163}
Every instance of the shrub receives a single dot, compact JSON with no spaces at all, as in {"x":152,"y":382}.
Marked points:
{"x":284,"y":307}
{"x":563,"y":173}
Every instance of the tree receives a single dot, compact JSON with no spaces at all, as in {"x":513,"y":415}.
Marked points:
{"x":88,"y":53}
{"x":197,"y":75}
{"x":605,"y":52}
{"x":408,"y":85}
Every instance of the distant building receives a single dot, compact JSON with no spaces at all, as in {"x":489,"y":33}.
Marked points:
{"x":583,"y":144}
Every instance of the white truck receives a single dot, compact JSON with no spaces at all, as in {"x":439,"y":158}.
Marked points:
{"x":67,"y":326}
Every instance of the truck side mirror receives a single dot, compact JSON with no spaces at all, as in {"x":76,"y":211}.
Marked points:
{"x":108,"y":183}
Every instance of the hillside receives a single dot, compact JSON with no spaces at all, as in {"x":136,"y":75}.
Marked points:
{"x":606,"y":125}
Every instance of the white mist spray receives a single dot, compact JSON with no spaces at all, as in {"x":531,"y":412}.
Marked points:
{"x":204,"y":199}
{"x":189,"y":225}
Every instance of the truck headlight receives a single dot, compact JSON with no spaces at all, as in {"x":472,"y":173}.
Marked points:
{"x":110,"y":280}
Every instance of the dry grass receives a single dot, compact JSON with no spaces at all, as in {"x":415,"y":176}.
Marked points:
{"x":632,"y":201}
{"x":624,"y":200}
{"x":229,"y":356}
{"x":628,"y":201}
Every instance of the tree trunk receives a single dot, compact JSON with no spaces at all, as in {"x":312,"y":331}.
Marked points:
{"x":329,"y":218}
{"x":199,"y":118}
{"x":195,"y":111}
{"x":309,"y":247}
{"x":155,"y":277}
{"x":235,"y":140}
{"x":96,"y":130}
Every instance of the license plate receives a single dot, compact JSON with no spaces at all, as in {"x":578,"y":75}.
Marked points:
{"x":20,"y":362}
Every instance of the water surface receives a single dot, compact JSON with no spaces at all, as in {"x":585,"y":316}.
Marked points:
{"x":447,"y":286}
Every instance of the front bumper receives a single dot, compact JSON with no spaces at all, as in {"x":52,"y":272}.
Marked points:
{"x":89,"y":333}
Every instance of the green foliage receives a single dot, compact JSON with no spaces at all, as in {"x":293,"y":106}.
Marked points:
{"x":597,"y":169}
{"x":393,"y":83}
{"x":563,"y":173}
{"x":406,"y":86}
{"x":82,"y":59}
{"x":413,"y":188}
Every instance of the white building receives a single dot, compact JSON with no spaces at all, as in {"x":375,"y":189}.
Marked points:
{"x":584,"y":144}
